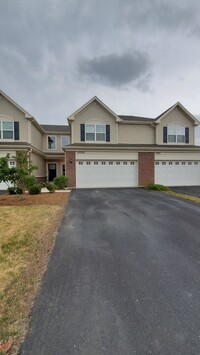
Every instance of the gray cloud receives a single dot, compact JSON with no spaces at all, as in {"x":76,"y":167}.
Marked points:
{"x":43,"y":43}
{"x":115,"y":69}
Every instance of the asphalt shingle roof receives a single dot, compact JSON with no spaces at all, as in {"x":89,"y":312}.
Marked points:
{"x":56,"y":128}
{"x":135,"y":118}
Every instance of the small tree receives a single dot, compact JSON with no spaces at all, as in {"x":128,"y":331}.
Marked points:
{"x":7,"y":174}
{"x":24,"y":169}
{"x":19,"y":175}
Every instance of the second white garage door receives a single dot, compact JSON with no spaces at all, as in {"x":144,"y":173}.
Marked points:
{"x":106,"y":174}
{"x":177,"y":173}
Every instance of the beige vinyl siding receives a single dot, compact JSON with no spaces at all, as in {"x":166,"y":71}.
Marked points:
{"x":175,"y":116}
{"x":11,"y":112}
{"x":36,"y":137}
{"x":106,"y":155}
{"x":177,"y":156}
{"x":40,"y":162}
{"x":136,"y":134}
{"x":94,"y":113}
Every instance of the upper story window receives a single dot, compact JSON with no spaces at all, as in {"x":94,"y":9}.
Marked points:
{"x":95,"y":132}
{"x":176,"y":134}
{"x":65,"y":140}
{"x":51,"y":142}
{"x":6,"y":130}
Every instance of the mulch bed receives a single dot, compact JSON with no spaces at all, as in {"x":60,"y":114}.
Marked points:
{"x":56,"y":198}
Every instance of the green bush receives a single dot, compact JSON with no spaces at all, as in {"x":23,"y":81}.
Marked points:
{"x":15,"y":190}
{"x":60,"y":181}
{"x":157,"y":187}
{"x":34,"y":189}
{"x":30,"y":180}
{"x":50,"y":186}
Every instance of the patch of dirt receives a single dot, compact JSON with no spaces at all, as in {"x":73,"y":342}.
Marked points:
{"x":56,"y":198}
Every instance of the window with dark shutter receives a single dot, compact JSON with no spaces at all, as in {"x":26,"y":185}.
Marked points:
{"x":82,"y":127}
{"x":164,"y":134}
{"x":107,"y":133}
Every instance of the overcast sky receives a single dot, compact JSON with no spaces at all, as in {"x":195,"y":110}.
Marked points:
{"x":137,"y":56}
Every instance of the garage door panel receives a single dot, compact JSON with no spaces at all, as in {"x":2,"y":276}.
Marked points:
{"x":106,"y":174}
{"x":177,"y":173}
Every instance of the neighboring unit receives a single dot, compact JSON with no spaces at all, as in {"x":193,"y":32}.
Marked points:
{"x":43,"y":143}
{"x":101,"y":149}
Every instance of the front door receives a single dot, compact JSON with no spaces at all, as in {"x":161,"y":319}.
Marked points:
{"x":51,"y":171}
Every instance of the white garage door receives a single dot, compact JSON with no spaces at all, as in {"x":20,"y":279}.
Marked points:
{"x":177,"y":173}
{"x":106,"y":173}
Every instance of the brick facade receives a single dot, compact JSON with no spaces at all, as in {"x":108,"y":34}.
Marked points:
{"x":145,"y":168}
{"x":71,"y":168}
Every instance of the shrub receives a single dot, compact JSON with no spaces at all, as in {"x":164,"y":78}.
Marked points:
{"x":50,"y":186}
{"x":60,"y":181}
{"x":34,"y":189}
{"x":157,"y":187}
{"x":15,"y":190}
{"x":30,"y":180}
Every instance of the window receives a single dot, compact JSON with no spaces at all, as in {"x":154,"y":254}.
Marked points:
{"x":170,"y":163}
{"x":95,"y":132}
{"x":80,"y":163}
{"x":6,"y":130}
{"x":163,"y":162}
{"x":51,"y":142}
{"x":117,"y":162}
{"x":132,"y":162}
{"x":157,"y":163}
{"x":183,"y":162}
{"x":103,"y":163}
{"x":65,"y":140}
{"x":63,"y":169}
{"x":124,"y":162}
{"x":196,"y":163}
{"x":189,"y":163}
{"x":176,"y":134}
{"x":110,"y":162}
{"x":176,"y":162}
{"x":95,"y":162}
{"x":12,"y":163}
{"x":88,"y":163}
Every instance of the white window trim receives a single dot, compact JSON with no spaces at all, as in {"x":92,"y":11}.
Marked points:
{"x":6,"y":119}
{"x":95,"y":124}
{"x":175,"y":124}
{"x":51,"y":135}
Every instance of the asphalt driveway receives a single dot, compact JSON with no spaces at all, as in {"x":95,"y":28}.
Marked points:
{"x":123,"y":278}
{"x":188,"y":190}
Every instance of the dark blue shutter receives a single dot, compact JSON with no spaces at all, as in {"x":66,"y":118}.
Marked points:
{"x":16,"y":131}
{"x":107,"y":133}
{"x":164,"y":134}
{"x":82,"y":132}
{"x":187,"y":135}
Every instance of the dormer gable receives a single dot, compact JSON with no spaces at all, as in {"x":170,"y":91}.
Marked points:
{"x":177,"y":106}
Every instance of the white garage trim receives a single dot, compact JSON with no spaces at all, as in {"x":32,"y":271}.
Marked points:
{"x":96,"y":173}
{"x":177,"y":173}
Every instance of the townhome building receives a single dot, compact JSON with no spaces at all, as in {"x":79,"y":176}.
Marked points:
{"x":99,"y":148}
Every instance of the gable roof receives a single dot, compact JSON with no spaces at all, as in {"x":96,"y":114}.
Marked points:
{"x":95,"y":98}
{"x":27,"y":115}
{"x":56,"y":128}
{"x":177,"y":104}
